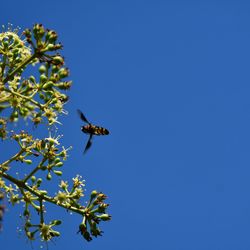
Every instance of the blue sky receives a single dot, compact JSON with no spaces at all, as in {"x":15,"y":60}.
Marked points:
{"x":170,"y":80}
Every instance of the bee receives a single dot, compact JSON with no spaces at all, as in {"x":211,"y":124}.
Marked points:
{"x":91,"y":130}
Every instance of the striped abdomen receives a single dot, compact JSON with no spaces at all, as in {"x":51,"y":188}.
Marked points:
{"x":94,"y":130}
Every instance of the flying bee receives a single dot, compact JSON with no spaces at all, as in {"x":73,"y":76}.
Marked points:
{"x":91,"y":130}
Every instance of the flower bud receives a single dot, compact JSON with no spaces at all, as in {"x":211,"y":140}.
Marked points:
{"x":42,"y":69}
{"x":55,"y":233}
{"x":59,"y":164}
{"x":43,"y":78}
{"x":27,"y":33}
{"x":48,"y":85}
{"x":105,"y":217}
{"x":5,"y":44}
{"x":38,"y":31}
{"x":59,"y":173}
{"x":58,"y":46}
{"x":84,"y":232}
{"x":33,"y":178}
{"x":49,"y":176}
{"x":50,"y":47}
{"x":39,"y":181}
{"x":28,"y":161}
{"x":63,"y":72}
{"x":57,"y":160}
{"x":51,"y":36}
{"x":94,"y":193}
{"x":57,"y":60}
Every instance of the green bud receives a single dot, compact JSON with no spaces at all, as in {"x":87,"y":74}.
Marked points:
{"x":42,"y":69}
{"x":20,"y":158}
{"x":33,"y":178}
{"x":59,"y":164}
{"x":54,"y":100}
{"x":59,"y":173}
{"x":28,"y":161}
{"x":54,"y":233}
{"x":58,"y":46}
{"x":57,"y":60}
{"x":64,"y":85}
{"x":50,"y":47}
{"x":23,"y":111}
{"x":51,"y":36}
{"x":63,"y":72}
{"x":30,"y":107}
{"x":49,"y":176}
{"x":105,"y":217}
{"x":84,"y":232}
{"x":15,"y":51}
{"x":27,"y":33}
{"x":39,"y":181}
{"x":48,"y":85}
{"x":14,"y":114}
{"x":57,"y":160}
{"x":38,"y":31}
{"x":5,"y":44}
{"x":54,"y":69}
{"x":31,"y":235}
{"x":18,"y":60}
{"x":94,"y":193}
{"x":38,"y":208}
{"x":43,"y":78}
{"x":102,"y":208}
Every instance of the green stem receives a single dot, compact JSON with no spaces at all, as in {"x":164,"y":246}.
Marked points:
{"x":41,"y":211}
{"x":25,"y":97}
{"x":34,"y":170}
{"x":6,"y":163}
{"x":22,"y":65}
{"x":47,"y":198}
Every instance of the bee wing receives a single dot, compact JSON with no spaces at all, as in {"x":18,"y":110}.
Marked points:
{"x":82,"y":116}
{"x":89,"y":143}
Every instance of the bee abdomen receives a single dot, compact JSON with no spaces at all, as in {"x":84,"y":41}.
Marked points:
{"x":100,"y":131}
{"x":94,"y":130}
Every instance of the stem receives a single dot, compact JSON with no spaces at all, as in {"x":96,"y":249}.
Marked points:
{"x":47,"y":198}
{"x":12,"y":158}
{"x":41,"y":211}
{"x":25,"y":97}
{"x":22,"y":65}
{"x":34,"y":170}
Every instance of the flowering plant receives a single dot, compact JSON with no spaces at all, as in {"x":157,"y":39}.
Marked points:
{"x":41,"y":99}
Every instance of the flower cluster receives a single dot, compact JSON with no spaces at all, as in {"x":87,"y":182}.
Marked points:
{"x":39,"y":98}
{"x":28,"y":190}
{"x":93,"y":214}
{"x":30,"y":97}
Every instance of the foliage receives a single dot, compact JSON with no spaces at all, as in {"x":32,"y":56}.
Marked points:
{"x":39,"y":98}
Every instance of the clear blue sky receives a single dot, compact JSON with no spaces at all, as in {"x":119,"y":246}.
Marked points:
{"x":170,"y":80}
